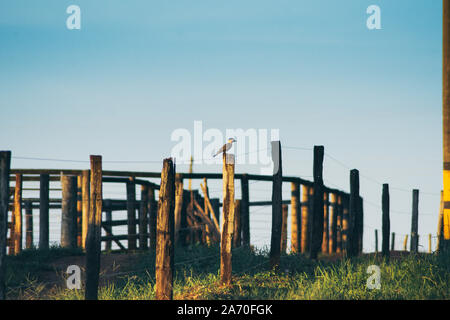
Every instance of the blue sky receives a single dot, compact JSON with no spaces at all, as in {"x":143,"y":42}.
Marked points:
{"x":138,"y":70}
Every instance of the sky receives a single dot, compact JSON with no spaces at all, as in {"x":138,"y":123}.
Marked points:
{"x":137,"y":71}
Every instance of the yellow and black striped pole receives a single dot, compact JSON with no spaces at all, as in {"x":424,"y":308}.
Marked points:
{"x":446,"y":118}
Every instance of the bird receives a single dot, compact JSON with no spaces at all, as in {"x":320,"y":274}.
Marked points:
{"x":226,"y":146}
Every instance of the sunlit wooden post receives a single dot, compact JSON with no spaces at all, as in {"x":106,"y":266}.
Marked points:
{"x":79,"y":211}
{"x":227,"y":220}
{"x":295,"y":217}
{"x":18,"y":215}
{"x":429,"y":243}
{"x":85,"y":206}
{"x":69,"y":211}
{"x":5,"y":165}
{"x":245,"y":211}
{"x":28,"y":224}
{"x":178,"y":205}
{"x":93,"y":239}
{"x":44,"y":198}
{"x":446,"y":120}
{"x":333,"y":224}
{"x":414,"y":245}
{"x":275,"y":241}
{"x":165,"y":233}
{"x":405,"y":243}
{"x":305,"y":219}
{"x":386,"y":224}
{"x":326,"y":212}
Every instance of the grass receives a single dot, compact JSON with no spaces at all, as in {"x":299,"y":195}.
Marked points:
{"x":197,"y":277}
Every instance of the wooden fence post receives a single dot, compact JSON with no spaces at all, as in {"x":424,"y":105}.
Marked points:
{"x":178,"y":205}
{"x":345,"y":223}
{"x":333,"y":224}
{"x":44,"y":198}
{"x":85,"y":206}
{"x":316,"y":233}
{"x":165,"y":233}
{"x":108,"y":219}
{"x":295,"y":218}
{"x":393,"y":242}
{"x":326,"y":212}
{"x":131,"y":212}
{"x":414,"y":245}
{"x":360,"y":224}
{"x":277,"y":181}
{"x":18,"y":215}
{"x":284,"y":229}
{"x":429,"y":243}
{"x":305,"y":219}
{"x":227,"y":218}
{"x":405,"y":243}
{"x":339,"y":224}
{"x":5,"y":165}
{"x":386,"y":224}
{"x":28,"y":224}
{"x":93,"y":240}
{"x":245,"y":211}
{"x":376,"y":240}
{"x":79,"y":212}
{"x":152,"y":212}
{"x":352,"y":236}
{"x":69,"y":211}
{"x":237,"y":224}
{"x":143,"y":218}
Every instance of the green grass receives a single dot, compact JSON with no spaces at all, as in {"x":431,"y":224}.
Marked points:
{"x":197,"y":277}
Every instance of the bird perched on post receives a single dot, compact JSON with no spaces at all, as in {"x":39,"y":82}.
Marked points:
{"x":226,"y":146}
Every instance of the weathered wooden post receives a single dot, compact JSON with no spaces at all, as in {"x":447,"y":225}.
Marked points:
{"x":339,"y":226}
{"x":376,"y":240}
{"x":227,"y":220}
{"x":131,"y":213}
{"x":405,"y":243}
{"x":44,"y":198}
{"x":245,"y":211}
{"x":18,"y":215}
{"x":333,"y":224}
{"x":352,"y":236}
{"x":237,"y":224}
{"x":393,"y":241}
{"x":165,"y":233}
{"x":345,"y":223}
{"x":326,"y":212}
{"x":414,"y":245}
{"x":5,"y":165}
{"x":305,"y":219}
{"x":316,"y":232}
{"x":143,"y":218}
{"x":277,"y":181}
{"x":178,"y":205}
{"x":69,"y":211}
{"x":284,"y":229}
{"x":108,"y":220}
{"x":93,"y":240}
{"x":386,"y":224}
{"x":429,"y":243}
{"x":446,"y":121}
{"x":79,"y":212}
{"x":440,"y":228}
{"x":295,"y":218}
{"x":28,"y":224}
{"x":85,"y":206}
{"x":152,"y":213}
